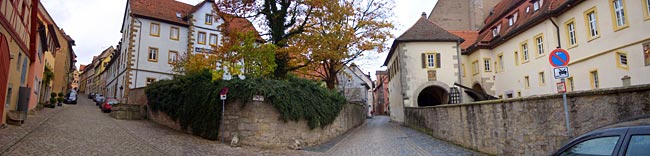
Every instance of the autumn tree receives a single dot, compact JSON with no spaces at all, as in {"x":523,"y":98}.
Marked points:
{"x":282,"y":20}
{"x":342,"y":31}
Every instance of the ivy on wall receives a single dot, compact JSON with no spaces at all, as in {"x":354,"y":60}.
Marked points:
{"x":193,"y":100}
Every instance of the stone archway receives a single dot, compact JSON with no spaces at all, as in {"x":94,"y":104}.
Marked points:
{"x":478,"y":88}
{"x":431,"y":93}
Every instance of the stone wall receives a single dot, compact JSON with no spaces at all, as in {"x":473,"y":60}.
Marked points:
{"x":259,"y":124}
{"x":127,"y":112}
{"x":532,"y":125}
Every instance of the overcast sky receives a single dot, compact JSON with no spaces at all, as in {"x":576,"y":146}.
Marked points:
{"x":95,"y":25}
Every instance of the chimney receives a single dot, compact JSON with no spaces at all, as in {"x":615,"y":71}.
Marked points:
{"x":424,"y":15}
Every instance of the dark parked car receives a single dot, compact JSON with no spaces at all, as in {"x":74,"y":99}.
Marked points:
{"x":621,"y":141}
{"x":107,"y":105}
{"x":91,"y":95}
{"x":99,"y":98}
{"x":70,"y":98}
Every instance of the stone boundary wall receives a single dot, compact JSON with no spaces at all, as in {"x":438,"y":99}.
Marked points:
{"x":128,"y":111}
{"x":531,"y":125}
{"x":259,"y":124}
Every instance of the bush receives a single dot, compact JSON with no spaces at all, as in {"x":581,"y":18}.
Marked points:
{"x":294,"y":98}
{"x":60,"y":94}
{"x":193,"y":100}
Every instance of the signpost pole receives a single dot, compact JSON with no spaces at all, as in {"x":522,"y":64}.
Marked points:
{"x":223,"y":115}
{"x":566,"y":111}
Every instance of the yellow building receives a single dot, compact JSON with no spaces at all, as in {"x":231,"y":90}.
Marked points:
{"x":605,"y":40}
{"x":99,"y":78}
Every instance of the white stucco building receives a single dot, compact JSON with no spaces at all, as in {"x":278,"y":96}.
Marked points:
{"x":155,"y":34}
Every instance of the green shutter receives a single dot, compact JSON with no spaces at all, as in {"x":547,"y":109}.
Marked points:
{"x":424,"y":60}
{"x":438,"y":60}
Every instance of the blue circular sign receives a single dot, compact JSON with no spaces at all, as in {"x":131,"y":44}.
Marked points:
{"x":559,"y":57}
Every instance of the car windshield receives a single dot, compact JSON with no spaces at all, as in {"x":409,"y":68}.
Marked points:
{"x":112,"y":102}
{"x":73,"y":94}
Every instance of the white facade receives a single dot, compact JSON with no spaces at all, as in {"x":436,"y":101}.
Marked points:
{"x":206,"y":23}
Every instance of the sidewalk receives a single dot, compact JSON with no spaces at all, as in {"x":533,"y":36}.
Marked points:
{"x":10,"y":135}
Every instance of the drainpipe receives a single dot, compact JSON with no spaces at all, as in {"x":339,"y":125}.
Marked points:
{"x":557,"y":32}
{"x":459,"y":66}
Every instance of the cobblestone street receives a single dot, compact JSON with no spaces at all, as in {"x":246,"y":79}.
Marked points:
{"x":379,"y":137}
{"x":83,"y":129}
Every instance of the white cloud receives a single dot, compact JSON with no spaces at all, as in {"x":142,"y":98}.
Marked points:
{"x":95,"y":25}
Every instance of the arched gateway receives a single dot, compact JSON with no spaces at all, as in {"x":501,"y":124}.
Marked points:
{"x":431,"y":94}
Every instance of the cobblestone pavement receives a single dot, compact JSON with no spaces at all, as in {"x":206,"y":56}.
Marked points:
{"x":84,"y":130}
{"x":379,"y":137}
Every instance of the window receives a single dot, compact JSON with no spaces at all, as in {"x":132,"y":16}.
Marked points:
{"x":516,"y":58}
{"x":213,"y":39}
{"x":486,"y":62}
{"x":621,"y":60}
{"x":539,"y":44}
{"x":20,"y":56}
{"x":153,"y":54}
{"x":639,"y":145}
{"x":592,"y":23}
{"x":618,"y":14}
{"x":537,"y":5}
{"x":208,"y":19}
{"x":8,"y":99}
{"x":173,"y":57}
{"x":541,"y":79}
{"x":150,"y":80}
{"x":524,"y":51}
{"x":570,"y":27}
{"x":526,"y":82}
{"x":570,"y":83}
{"x":511,"y":20}
{"x":23,"y":74}
{"x":154,"y":29}
{"x":596,"y":146}
{"x":496,"y":30}
{"x":595,"y":83}
{"x":500,"y":62}
{"x":475,"y":67}
{"x":431,"y":60}
{"x":174,"y":33}
{"x":201,"y":38}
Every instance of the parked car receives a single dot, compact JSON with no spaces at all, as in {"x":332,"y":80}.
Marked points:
{"x":99,"y":98}
{"x":91,"y":96}
{"x":107,"y":105}
{"x":620,"y":141}
{"x":70,"y":98}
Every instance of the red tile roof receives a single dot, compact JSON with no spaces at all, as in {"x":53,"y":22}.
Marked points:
{"x":166,"y":10}
{"x":525,"y":20}
{"x":161,"y":9}
{"x":469,"y":37}
{"x":82,"y":67}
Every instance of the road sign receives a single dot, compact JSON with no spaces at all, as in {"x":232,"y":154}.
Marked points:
{"x":223,"y":93}
{"x":560,"y":72}
{"x":559,"y":57}
{"x":561,"y":87}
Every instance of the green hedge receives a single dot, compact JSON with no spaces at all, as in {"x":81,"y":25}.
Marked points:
{"x":193,"y":100}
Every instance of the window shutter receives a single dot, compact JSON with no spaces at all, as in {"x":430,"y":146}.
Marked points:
{"x":424,"y":60}
{"x":438,"y":60}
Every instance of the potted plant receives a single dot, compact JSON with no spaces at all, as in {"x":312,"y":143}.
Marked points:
{"x":52,"y":100}
{"x":60,"y":99}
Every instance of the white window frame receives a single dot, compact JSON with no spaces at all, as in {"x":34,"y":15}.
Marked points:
{"x":540,"y":45}
{"x":486,"y":63}
{"x":619,"y":13}
{"x":524,"y":51}
{"x":571,"y":28}
{"x":213,"y":42}
{"x":431,"y":60}
{"x":593,"y":24}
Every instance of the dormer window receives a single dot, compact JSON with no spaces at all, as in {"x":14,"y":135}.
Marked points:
{"x":496,"y":30}
{"x":208,"y":19}
{"x":537,"y":4}
{"x":512,"y":19}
